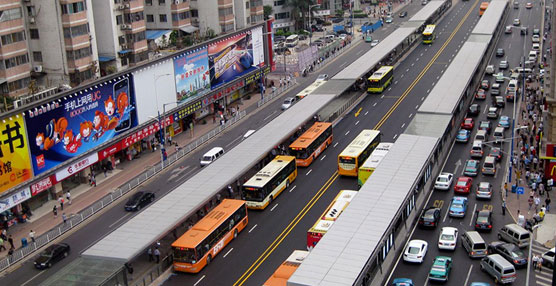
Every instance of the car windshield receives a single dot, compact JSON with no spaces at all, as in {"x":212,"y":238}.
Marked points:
{"x":447,"y":237}
{"x":457,"y":205}
{"x":516,"y":253}
{"x":482,"y":219}
{"x":413,"y":250}
{"x":429,"y":214}
{"x":442,"y":179}
{"x":462,"y":183}
{"x":206,"y":158}
{"x":46,"y":254}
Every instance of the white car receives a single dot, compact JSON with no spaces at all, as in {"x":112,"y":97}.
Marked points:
{"x":448,"y":238}
{"x":444,"y":181}
{"x":503,"y":65}
{"x":415,"y":251}
{"x":374,"y":43}
{"x":288,"y":102}
{"x":489,"y":69}
{"x":536,"y":39}
{"x":322,"y":77}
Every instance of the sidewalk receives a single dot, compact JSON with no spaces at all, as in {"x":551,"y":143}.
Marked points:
{"x":84,"y":195}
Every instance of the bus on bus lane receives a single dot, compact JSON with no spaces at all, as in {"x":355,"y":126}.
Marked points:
{"x":369,"y":166}
{"x":429,"y":34}
{"x":357,"y":152}
{"x":380,"y":79}
{"x":311,"y":143}
{"x":286,"y":269}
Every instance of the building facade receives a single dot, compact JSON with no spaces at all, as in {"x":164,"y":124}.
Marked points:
{"x":283,"y":18}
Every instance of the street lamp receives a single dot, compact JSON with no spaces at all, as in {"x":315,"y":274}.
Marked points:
{"x":529,"y":257}
{"x":156,"y":78}
{"x":310,"y":28}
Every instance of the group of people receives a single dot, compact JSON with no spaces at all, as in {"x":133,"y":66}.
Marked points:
{"x":537,"y":262}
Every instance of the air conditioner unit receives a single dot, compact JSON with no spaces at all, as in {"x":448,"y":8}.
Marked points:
{"x":126,"y":6}
{"x":37,"y":68}
{"x":17,"y":103}
{"x":124,"y":27}
{"x":177,"y":2}
{"x":32,"y":20}
{"x":121,"y":7}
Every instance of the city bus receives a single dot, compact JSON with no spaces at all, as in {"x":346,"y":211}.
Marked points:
{"x":380,"y":79}
{"x":286,"y":269}
{"x":197,"y":247}
{"x":357,"y":152}
{"x":310,"y":89}
{"x":482,"y":8}
{"x":325,"y":221}
{"x":429,"y":34}
{"x":269,"y":182}
{"x":310,"y":144}
{"x":369,"y":166}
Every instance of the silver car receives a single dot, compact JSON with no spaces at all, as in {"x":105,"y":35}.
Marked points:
{"x":288,"y":102}
{"x":484,"y":191}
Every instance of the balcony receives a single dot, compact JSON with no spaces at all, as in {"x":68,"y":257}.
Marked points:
{"x":10,"y":25}
{"x":181,"y":23}
{"x":226,"y":19}
{"x":257,"y":10}
{"x":225,"y":3}
{"x":11,"y":48}
{"x":67,"y":19}
{"x":14,"y":71}
{"x":137,"y":46}
{"x":183,"y":6}
{"x":70,"y":42}
{"x":138,"y":25}
{"x":80,"y":63}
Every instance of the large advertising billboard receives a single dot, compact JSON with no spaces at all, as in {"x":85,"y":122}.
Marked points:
{"x":77,"y":123}
{"x":191,"y":71}
{"x":233,"y":57}
{"x":15,"y":165}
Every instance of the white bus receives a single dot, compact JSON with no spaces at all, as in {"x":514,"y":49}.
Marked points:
{"x":291,"y":41}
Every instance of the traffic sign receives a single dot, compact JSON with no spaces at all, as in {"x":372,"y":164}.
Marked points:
{"x":520,"y":190}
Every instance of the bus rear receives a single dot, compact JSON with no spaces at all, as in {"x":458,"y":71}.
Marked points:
{"x":357,"y":152}
{"x":482,"y":8}
{"x":311,"y":143}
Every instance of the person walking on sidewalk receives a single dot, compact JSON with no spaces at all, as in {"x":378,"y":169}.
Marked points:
{"x":504,"y":207}
{"x":537,"y":200}
{"x":64,"y":218}
{"x":150,"y":253}
{"x":2,"y":247}
{"x":157,"y":255}
{"x":68,"y":197}
{"x":11,"y":241}
{"x":535,"y":261}
{"x":539,"y":263}
{"x":55,"y":211}
{"x":32,"y":235}
{"x":61,"y":201}
{"x":530,"y":201}
{"x":547,"y":202}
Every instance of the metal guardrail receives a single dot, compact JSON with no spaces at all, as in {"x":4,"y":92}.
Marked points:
{"x":78,"y":218}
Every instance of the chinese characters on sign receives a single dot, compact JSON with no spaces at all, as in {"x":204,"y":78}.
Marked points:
{"x":15,"y":164}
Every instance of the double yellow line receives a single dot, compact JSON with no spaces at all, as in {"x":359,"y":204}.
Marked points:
{"x":335,"y":175}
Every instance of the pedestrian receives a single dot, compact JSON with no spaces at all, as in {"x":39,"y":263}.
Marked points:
{"x":32,"y":235}
{"x":530,"y":202}
{"x":104,"y":170}
{"x":537,"y":200}
{"x":535,"y":261}
{"x":2,"y":247}
{"x":64,"y":217}
{"x":55,"y":211}
{"x":218,"y":197}
{"x":539,"y":263}
{"x":150,"y":253}
{"x":11,"y":241}
{"x":93,"y":180}
{"x":61,"y":201}
{"x":68,"y":197}
{"x":231,"y":191}
{"x":10,"y":253}
{"x":504,"y":207}
{"x":157,"y":255}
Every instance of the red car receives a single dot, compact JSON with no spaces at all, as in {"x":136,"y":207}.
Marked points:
{"x":481,"y":94}
{"x":463,"y":185}
{"x":468,"y":123}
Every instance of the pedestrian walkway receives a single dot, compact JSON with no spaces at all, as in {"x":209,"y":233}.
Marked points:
{"x":543,"y":275}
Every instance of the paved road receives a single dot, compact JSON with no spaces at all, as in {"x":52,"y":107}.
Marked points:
{"x":467,"y":270}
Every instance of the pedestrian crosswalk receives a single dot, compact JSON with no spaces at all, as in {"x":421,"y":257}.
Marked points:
{"x":543,"y":277}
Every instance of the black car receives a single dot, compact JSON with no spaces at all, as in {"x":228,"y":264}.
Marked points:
{"x":403,"y":14}
{"x":485,"y":125}
{"x":51,"y":255}
{"x":317,"y":28}
{"x":499,"y":101}
{"x":496,"y":153}
{"x":139,"y":200}
{"x":474,"y":109}
{"x":430,"y":217}
{"x":510,"y":251}
{"x":500,"y":52}
{"x":483,"y":220}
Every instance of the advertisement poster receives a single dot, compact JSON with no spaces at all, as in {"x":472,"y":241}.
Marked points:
{"x":233,"y":57}
{"x":73,"y":125}
{"x":15,"y":165}
{"x":191,"y":71}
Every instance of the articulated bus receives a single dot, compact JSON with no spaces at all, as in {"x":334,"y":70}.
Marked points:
{"x":286,"y":269}
{"x":429,"y":34}
{"x":357,"y":152}
{"x":197,"y":247}
{"x":482,"y":8}
{"x":269,"y":182}
{"x":340,"y":202}
{"x":369,"y":166}
{"x":310,"y":89}
{"x":380,"y":79}
{"x":310,"y":144}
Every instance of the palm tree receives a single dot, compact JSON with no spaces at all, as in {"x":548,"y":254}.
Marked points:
{"x":299,"y":7}
{"x":267,"y":11}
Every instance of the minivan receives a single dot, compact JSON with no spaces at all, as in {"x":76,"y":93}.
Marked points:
{"x":292,"y":40}
{"x":477,"y":149}
{"x":533,"y":56}
{"x":212,"y":155}
{"x":499,"y":268}
{"x":481,"y":135}
{"x":474,"y":244}
{"x":515,"y":234}
{"x":498,"y":135}
{"x":512,"y":86}
{"x":489,"y":166}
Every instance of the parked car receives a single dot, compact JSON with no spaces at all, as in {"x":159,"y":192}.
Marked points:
{"x":444,"y":180}
{"x":448,"y":238}
{"x":510,"y":251}
{"x":415,"y":251}
{"x":388,"y":20}
{"x":474,"y":109}
{"x":483,"y":221}
{"x":548,"y":258}
{"x":440,"y":270}
{"x":51,"y":255}
{"x":458,"y":207}
{"x":288,"y":102}
{"x":463,"y":185}
{"x":463,"y":136}
{"x":374,"y":43}
{"x":138,"y":201}
{"x":489,"y":69}
{"x":337,"y":20}
{"x":471,"y":168}
{"x":322,"y":77}
{"x":430,"y":217}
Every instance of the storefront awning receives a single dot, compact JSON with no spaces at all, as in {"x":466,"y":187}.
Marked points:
{"x":123,"y":52}
{"x":155,"y":34}
{"x":105,"y":59}
{"x":189,"y":29}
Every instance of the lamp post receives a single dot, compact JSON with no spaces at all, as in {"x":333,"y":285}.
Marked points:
{"x":156,"y":78}
{"x":514,"y":107}
{"x":529,"y":257}
{"x":310,"y":28}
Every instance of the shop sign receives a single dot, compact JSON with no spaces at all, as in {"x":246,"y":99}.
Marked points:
{"x":143,"y":133}
{"x":14,"y":199}
{"x":223,"y":92}
{"x":41,"y":186}
{"x":190,"y":109}
{"x":110,"y":151}
{"x":257,"y":76}
{"x":15,"y":162}
{"x":76,"y":167}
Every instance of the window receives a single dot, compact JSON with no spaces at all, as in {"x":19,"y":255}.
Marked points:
{"x":16,"y":85}
{"x":149,"y":2}
{"x":284,"y":15}
{"x":133,"y":17}
{"x":279,"y":2}
{"x":161,"y":2}
{"x":124,"y":61}
{"x":150,"y":18}
{"x":194,"y":13}
{"x":31,"y":11}
{"x":246,"y":5}
{"x":79,"y":54}
{"x":227,"y":27}
{"x":13,"y":38}
{"x":248,"y":20}
{"x":16,"y":61}
{"x":73,"y":8}
{"x":257,"y":18}
{"x":119,"y":20}
{"x":37,"y":56}
{"x":140,"y":57}
{"x":136,"y":37}
{"x":121,"y":40}
{"x":225,"y":11}
{"x":76,"y":31}
{"x":163,"y":18}
{"x":180,"y":16}
{"x":79,"y":77}
{"x":34,"y":33}
{"x":10,"y":14}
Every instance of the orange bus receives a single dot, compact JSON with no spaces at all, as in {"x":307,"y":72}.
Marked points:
{"x":311,"y":143}
{"x":482,"y":8}
{"x":197,"y":247}
{"x":286,"y":269}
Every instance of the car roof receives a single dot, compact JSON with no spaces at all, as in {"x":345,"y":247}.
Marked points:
{"x":459,"y":199}
{"x":449,"y":229}
{"x":417,"y":242}
{"x":484,"y":184}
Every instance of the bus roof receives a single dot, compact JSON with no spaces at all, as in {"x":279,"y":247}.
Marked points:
{"x":269,"y":171}
{"x":310,"y":88}
{"x":484,"y":5}
{"x":209,"y":223}
{"x":310,"y":135}
{"x":286,"y":269}
{"x":359,"y":143}
{"x":380,"y":151}
{"x":340,"y":202}
{"x":381,"y":72}
{"x":429,"y":29}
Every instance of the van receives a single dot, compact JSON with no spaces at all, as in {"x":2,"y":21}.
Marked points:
{"x":477,"y":149}
{"x":474,"y":244}
{"x":499,"y":268}
{"x":498,"y":135}
{"x":489,"y":166}
{"x":512,"y":85}
{"x":212,"y":155}
{"x":515,"y":234}
{"x":292,"y":40}
{"x":533,"y":56}
{"x":481,"y":135}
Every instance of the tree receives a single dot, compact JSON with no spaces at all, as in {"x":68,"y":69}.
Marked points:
{"x":299,"y":8}
{"x":267,"y":11}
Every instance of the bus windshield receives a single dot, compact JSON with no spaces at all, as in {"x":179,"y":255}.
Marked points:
{"x":186,"y":255}
{"x":347,"y":160}
{"x":300,"y":154}
{"x":253,"y":194}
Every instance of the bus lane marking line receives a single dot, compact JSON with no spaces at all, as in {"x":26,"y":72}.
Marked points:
{"x":357,"y":122}
{"x":323,"y":157}
{"x":199,"y":281}
{"x":269,"y":116}
{"x":468,"y":274}
{"x":402,"y":76}
{"x":410,"y":115}
{"x":347,"y":132}
{"x":486,"y":107}
{"x":228,"y":252}
{"x":373,"y":105}
{"x":403,"y":125}
{"x":252,"y":228}
{"x":233,"y":141}
{"x":416,"y":106}
{"x":335,"y":144}
{"x":273,"y":207}
{"x":32,"y":278}
{"x":395,"y":136}
{"x":407,"y":70}
{"x":445,"y":215}
{"x":309,"y":172}
{"x":382,"y":96}
{"x":293,"y":188}
{"x":120,"y":219}
{"x":396,"y":82}
{"x":473,"y":214}
{"x":367,"y":111}
{"x":361,"y":51}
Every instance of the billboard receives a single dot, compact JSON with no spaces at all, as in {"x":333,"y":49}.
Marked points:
{"x":73,"y":125}
{"x":235,"y":56}
{"x":191,"y":71}
{"x":15,"y":165}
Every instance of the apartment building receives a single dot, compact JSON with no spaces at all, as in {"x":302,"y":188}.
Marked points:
{"x":232,"y":14}
{"x":170,"y":15}
{"x":15,"y":67}
{"x":282,"y":14}
{"x":121,"y":33}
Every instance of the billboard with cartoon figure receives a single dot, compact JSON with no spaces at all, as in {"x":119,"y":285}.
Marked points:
{"x":77,"y":123}
{"x":191,"y":71}
{"x":15,"y":166}
{"x":233,"y":57}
